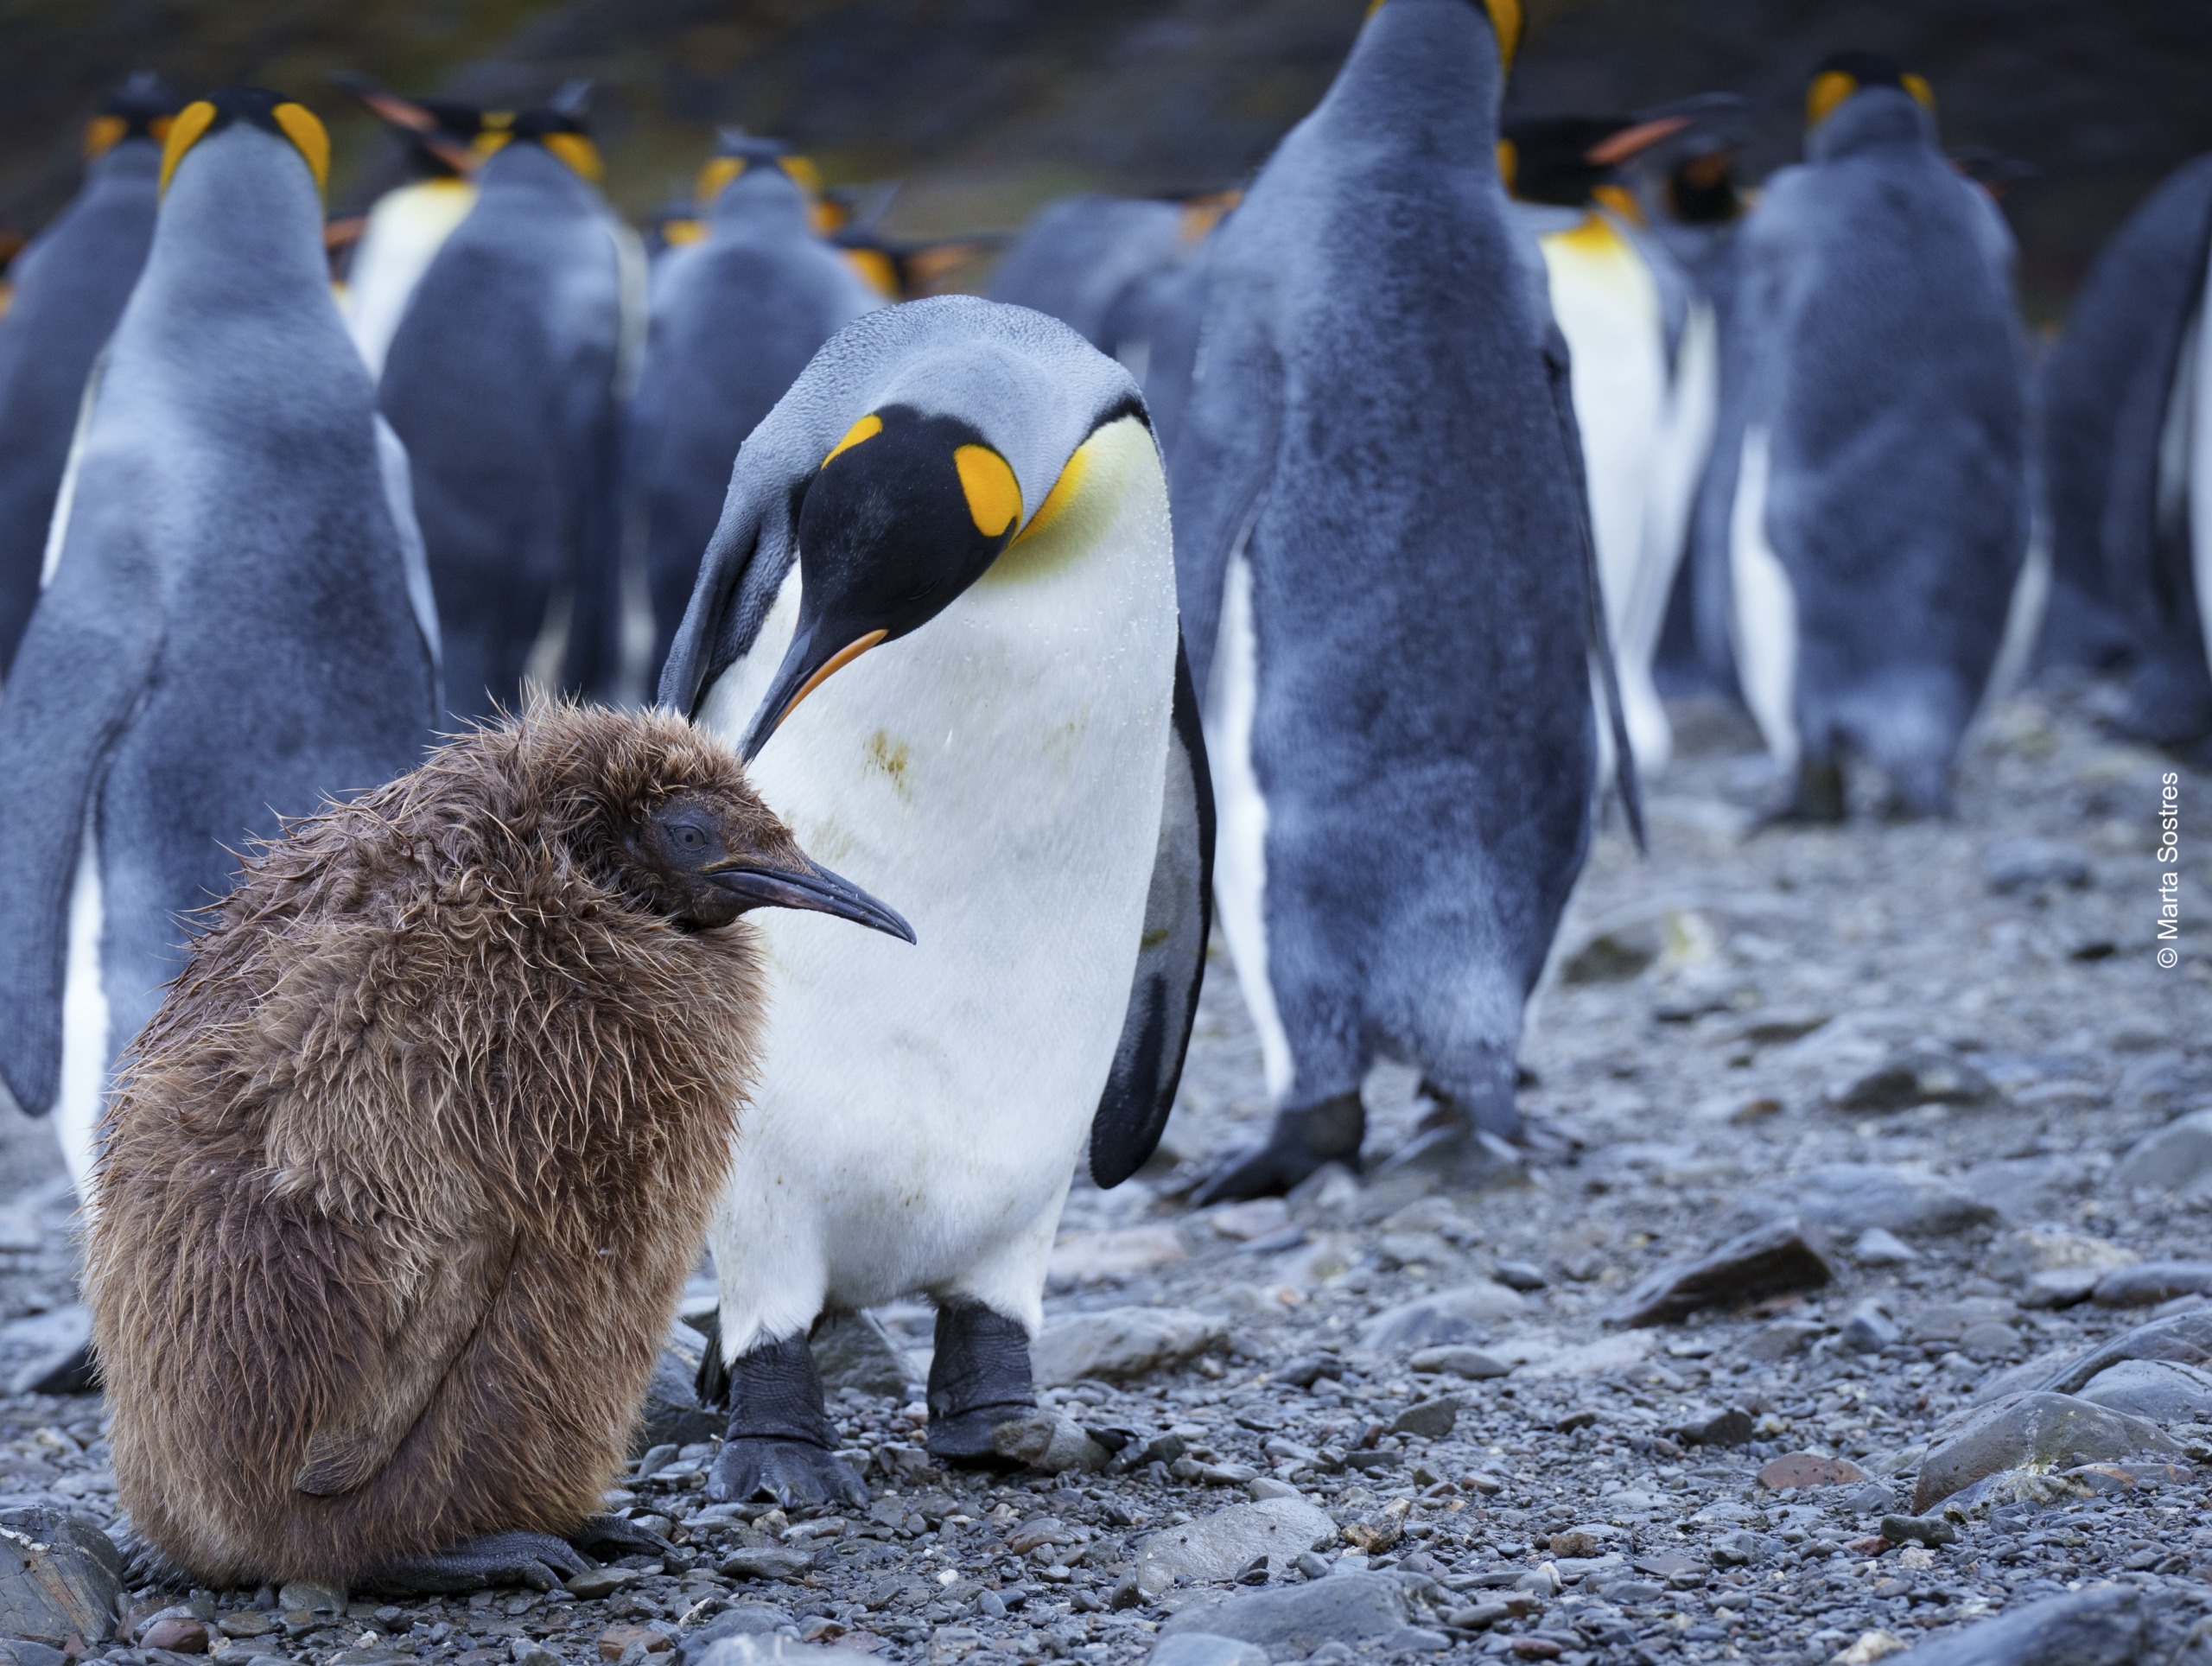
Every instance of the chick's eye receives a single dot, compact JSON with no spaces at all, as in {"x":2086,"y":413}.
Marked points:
{"x":689,"y":837}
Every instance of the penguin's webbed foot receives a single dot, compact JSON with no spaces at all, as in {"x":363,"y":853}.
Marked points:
{"x":605,"y":1537}
{"x":754,"y":1468}
{"x":1301,"y":1141}
{"x":536,"y":1559}
{"x":979,"y":1380}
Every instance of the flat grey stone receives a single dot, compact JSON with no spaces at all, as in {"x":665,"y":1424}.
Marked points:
{"x":751,"y":1649}
{"x":2160,"y":1389}
{"x":2049,"y":1431}
{"x":2176,"y":1158}
{"x":1850,"y":1199}
{"x":1770,"y":1260}
{"x":1458,"y":1360}
{"x":1207,"y":1649}
{"x":1050,"y":1443}
{"x":1296,"y":1619}
{"x":2099,"y":1627}
{"x":2060,"y":1287}
{"x":2025,"y":1188}
{"x":1879,"y":1247}
{"x":56,"y":1342}
{"x":766,"y":1562}
{"x":1784,"y":1338}
{"x":307,"y":1597}
{"x":1919,"y":1075}
{"x":1430,"y":1420}
{"x":1122,"y":1342}
{"x":1223,"y":1544}
{"x":853,"y":1350}
{"x":2186,"y":1337}
{"x":2150,"y":1282}
{"x":1462,"y":1314}
{"x":59,"y":1577}
{"x":2014,"y":865}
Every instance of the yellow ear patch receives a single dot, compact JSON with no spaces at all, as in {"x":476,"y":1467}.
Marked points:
{"x":192,"y":122}
{"x":308,"y":137}
{"x":867,"y":428}
{"x":803,"y":172}
{"x":1505,"y":19}
{"x":579,"y":152}
{"x":1917,"y":86}
{"x":987,"y":479}
{"x":875,"y":270}
{"x":1509,"y":163}
{"x":103,"y":134}
{"x":1829,"y":89}
{"x":715,"y":175}
{"x":1114,"y":475}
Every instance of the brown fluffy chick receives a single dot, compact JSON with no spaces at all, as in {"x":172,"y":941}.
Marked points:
{"x":401,"y":1184}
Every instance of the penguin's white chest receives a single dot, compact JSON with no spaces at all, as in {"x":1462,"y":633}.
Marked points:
{"x":997,"y":777}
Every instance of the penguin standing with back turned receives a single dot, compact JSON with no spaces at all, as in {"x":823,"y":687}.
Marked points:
{"x":1384,"y":557}
{"x":506,"y":379}
{"x":237,"y":622}
{"x":70,"y":284}
{"x":735,"y":317}
{"x":1879,"y":519}
{"x":940,"y":613}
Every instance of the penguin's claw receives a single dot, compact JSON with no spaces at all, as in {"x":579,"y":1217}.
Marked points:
{"x":605,"y":1537}
{"x":536,"y":1559}
{"x":785,"y":1473}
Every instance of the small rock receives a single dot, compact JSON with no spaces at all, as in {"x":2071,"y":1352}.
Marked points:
{"x":744,"y":1619}
{"x":1218,"y":1546}
{"x":1770,"y":1260}
{"x":1807,"y":1469}
{"x":1520,"y":1275}
{"x":594,"y":1582}
{"x":615,"y":1640}
{"x":1783,"y":1339}
{"x":1046,"y":1441}
{"x":1295,"y":1619}
{"x":1914,"y":1076}
{"x":1918,"y":1529}
{"x":2102,"y":1627}
{"x":1871,"y":1646}
{"x":2184,"y":1336}
{"x":178,"y":1635}
{"x":528,"y":1651}
{"x":1613,"y":955}
{"x":1122,"y":1342}
{"x":1457,"y":1315}
{"x":59,"y":1577}
{"x":1207,"y":1649}
{"x":59,"y":1345}
{"x":2045,"y":1430}
{"x":305,"y":1596}
{"x":1729,"y":1426}
{"x":1990,"y":1340}
{"x":2022,"y":1255}
{"x":1306,"y":1370}
{"x":750,"y":1649}
{"x":1849,"y":1199}
{"x":2160,"y":1389}
{"x":2150,"y":1282}
{"x":2176,"y":1158}
{"x":1458,"y":1360}
{"x":2011,"y":865}
{"x":1776,"y":1025}
{"x":247,"y":1623}
{"x":1266,"y":1486}
{"x":2059,"y":1287}
{"x":1430,"y":1420}
{"x":1085,"y":1257}
{"x":21,"y":1651}
{"x":1257,"y":1219}
{"x":756,"y":1562}
{"x":1879,"y":1247}
{"x":1867,"y":1329}
{"x":853,"y":1350}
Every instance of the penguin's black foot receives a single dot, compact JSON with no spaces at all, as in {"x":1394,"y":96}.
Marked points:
{"x":1817,"y":800}
{"x":536,"y":1559}
{"x":605,"y":1537}
{"x":1301,"y":1141}
{"x":979,"y":1379}
{"x":778,"y":1446}
{"x":785,"y":1473}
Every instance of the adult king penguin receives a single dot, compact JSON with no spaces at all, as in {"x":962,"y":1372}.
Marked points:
{"x":2126,"y":434}
{"x":1645,"y":375}
{"x":1880,"y":514}
{"x":70,"y":285}
{"x":506,"y":379}
{"x":1384,"y":554}
{"x":409,"y":224}
{"x":943,"y":582}
{"x":734,"y":318}
{"x":236,"y":624}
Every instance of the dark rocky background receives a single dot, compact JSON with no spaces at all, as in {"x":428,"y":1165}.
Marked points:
{"x":987,"y":107}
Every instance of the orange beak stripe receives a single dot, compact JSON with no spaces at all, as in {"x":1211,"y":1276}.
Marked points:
{"x":836,"y":663}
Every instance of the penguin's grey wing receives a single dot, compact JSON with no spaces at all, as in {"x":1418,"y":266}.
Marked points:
{"x":391,"y":1380}
{"x":1601,"y":640}
{"x":85,"y":661}
{"x":1171,"y":956}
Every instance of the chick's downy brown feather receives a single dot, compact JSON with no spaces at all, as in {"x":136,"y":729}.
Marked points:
{"x":401,"y":1183}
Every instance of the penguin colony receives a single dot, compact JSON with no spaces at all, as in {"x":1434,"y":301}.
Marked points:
{"x":1317,"y":551}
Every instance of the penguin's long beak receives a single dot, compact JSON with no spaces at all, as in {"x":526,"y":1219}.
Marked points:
{"x":811,"y":887}
{"x":816,"y":654}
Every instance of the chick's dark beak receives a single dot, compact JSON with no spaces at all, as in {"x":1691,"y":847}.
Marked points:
{"x":805,"y":885}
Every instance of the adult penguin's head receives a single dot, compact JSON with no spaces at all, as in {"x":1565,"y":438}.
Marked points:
{"x":1846,"y":73}
{"x":141,"y":108}
{"x":906,"y":512}
{"x":254,"y":106}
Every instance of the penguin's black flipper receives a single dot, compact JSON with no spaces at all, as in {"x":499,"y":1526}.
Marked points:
{"x":83,"y":667}
{"x":1556,"y":365}
{"x":1170,"y":956}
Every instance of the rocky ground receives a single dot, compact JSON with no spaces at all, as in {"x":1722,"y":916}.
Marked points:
{"x":1852,"y":1146}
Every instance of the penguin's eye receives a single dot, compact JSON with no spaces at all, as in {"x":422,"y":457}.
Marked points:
{"x":689,"y":837}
